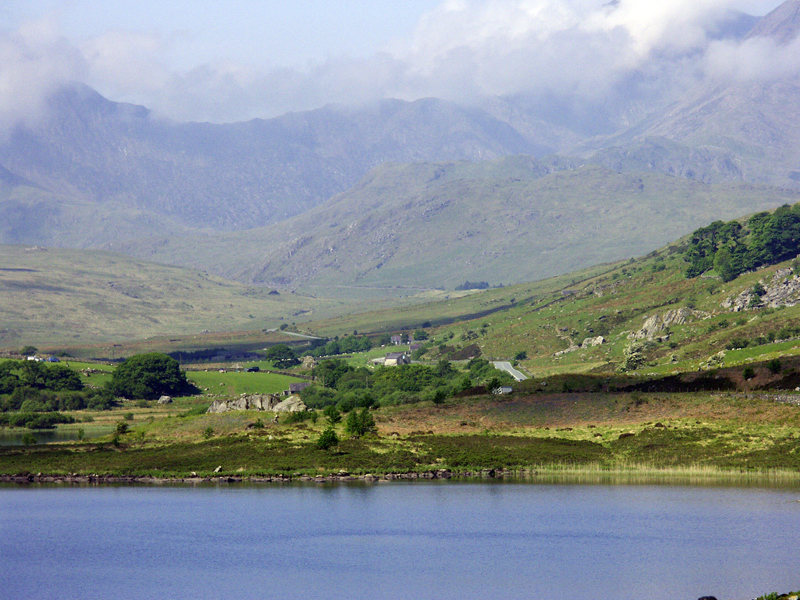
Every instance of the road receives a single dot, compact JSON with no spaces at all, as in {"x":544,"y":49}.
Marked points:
{"x":506,"y":366}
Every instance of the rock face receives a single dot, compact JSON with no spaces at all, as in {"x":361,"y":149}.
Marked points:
{"x":262,"y":402}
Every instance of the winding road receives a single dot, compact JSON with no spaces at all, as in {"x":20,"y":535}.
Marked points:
{"x":506,"y":366}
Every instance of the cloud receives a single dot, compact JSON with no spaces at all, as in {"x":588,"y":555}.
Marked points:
{"x":754,"y":59}
{"x":35,"y":62}
{"x":588,"y":52}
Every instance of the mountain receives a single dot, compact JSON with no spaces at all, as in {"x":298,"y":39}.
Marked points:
{"x":94,"y":170}
{"x":426,"y":193}
{"x":433,"y":225}
{"x":742,"y":127}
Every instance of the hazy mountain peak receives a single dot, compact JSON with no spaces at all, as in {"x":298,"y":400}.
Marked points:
{"x":782,"y":24}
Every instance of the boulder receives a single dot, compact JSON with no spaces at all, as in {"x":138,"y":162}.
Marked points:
{"x":165,"y":400}
{"x":591,"y":342}
{"x":292,"y":404}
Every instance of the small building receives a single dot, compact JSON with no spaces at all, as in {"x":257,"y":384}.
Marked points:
{"x":502,"y":390}
{"x":296,"y":388}
{"x":394,"y":359}
{"x":414,"y":346}
{"x":397,"y":340}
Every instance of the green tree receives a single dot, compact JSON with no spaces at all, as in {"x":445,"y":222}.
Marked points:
{"x":327,"y":439}
{"x":149,"y":376}
{"x":359,"y":423}
{"x":282,"y":356}
{"x":62,"y":378}
{"x":420,"y":335}
{"x":332,"y":414}
{"x":28,"y":350}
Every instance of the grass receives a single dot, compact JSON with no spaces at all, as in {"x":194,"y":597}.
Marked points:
{"x":696,"y":436}
{"x":233,"y":383}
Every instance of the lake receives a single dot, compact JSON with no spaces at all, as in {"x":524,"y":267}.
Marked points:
{"x":399,"y":540}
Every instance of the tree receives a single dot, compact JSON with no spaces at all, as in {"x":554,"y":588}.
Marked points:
{"x":359,"y":423}
{"x":282,"y":356}
{"x":62,"y":378}
{"x":149,"y":376}
{"x":327,"y":439}
{"x":633,"y":356}
{"x":332,"y":415}
{"x":28,"y":350}
{"x":420,"y":335}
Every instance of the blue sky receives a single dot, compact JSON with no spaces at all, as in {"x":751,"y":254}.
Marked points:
{"x":234,"y":60}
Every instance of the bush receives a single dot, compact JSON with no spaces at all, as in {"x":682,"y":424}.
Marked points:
{"x":300,"y":416}
{"x":774,"y":366}
{"x":748,"y":372}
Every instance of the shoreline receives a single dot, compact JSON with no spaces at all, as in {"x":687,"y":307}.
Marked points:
{"x":551,"y":474}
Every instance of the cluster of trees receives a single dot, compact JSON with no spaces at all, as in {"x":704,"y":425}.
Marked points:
{"x":37,"y":375}
{"x":346,"y":387}
{"x":473,"y":285}
{"x":731,"y":248}
{"x":39,"y":390}
{"x":347,"y":345}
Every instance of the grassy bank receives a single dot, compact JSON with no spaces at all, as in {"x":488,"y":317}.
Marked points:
{"x":695,"y":436}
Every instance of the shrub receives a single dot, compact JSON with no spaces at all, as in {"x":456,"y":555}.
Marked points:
{"x":748,"y":372}
{"x":300,"y":416}
{"x":774,"y":366}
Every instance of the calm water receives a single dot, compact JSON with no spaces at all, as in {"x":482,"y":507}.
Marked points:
{"x":399,"y":540}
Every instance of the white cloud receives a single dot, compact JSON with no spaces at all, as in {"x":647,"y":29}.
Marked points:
{"x":585,"y":50}
{"x":35,"y":62}
{"x":755,"y":59}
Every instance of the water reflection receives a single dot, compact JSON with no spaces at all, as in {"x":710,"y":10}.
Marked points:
{"x":16,"y":437}
{"x":400,"y":540}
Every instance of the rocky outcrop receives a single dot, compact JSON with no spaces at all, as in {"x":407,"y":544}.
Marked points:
{"x":262,"y":402}
{"x":660,"y":323}
{"x":783,"y":289}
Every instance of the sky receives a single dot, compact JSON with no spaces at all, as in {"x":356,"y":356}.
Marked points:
{"x":228,"y":61}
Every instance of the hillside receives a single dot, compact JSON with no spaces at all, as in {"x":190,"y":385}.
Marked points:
{"x":435,"y":225}
{"x":590,"y":321}
{"x":52,"y":296}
